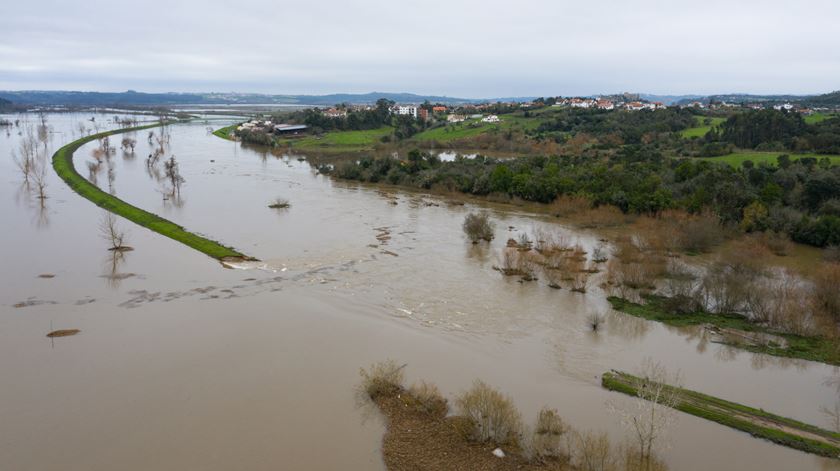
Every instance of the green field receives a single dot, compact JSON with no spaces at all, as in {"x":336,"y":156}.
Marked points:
{"x":737,"y":159}
{"x":818,"y":117}
{"x":341,"y":141}
{"x":701,"y":129}
{"x":451,"y":132}
{"x":475,"y":127}
{"x":62,"y":162}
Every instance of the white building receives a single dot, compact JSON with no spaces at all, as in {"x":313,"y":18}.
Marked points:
{"x":406,"y":110}
{"x":455,"y":118}
{"x":786,"y":107}
{"x":491,"y":119}
{"x":605,"y":105}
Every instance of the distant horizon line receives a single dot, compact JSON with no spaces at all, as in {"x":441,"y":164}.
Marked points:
{"x":376,"y":92}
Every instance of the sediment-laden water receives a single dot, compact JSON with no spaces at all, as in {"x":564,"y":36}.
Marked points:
{"x":183,"y":364}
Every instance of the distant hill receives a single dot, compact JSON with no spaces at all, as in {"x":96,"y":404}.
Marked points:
{"x":670,"y":99}
{"x":132,"y":98}
{"x":5,"y":105}
{"x":829,"y":99}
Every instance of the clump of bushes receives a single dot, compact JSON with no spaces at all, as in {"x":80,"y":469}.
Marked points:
{"x":477,"y":227}
{"x":546,"y":439}
{"x":426,"y":398}
{"x":280,"y":203}
{"x":492,"y":415}
{"x":382,"y":379}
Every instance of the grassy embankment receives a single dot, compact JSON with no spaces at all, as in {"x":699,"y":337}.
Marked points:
{"x":63,"y":164}
{"x":805,"y":348}
{"x":702,"y":128}
{"x":737,"y":159}
{"x":226,"y":132}
{"x":756,"y":422}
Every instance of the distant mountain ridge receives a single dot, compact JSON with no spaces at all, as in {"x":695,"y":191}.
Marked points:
{"x":826,"y":99}
{"x":132,"y":98}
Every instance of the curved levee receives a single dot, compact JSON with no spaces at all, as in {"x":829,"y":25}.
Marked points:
{"x":62,"y":162}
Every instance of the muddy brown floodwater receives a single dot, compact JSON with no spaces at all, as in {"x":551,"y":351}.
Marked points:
{"x":182,"y":364}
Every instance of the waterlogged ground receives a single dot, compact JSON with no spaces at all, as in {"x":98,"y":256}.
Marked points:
{"x":182,"y":364}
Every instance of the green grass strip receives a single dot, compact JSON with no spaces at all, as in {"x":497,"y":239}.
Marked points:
{"x":819,"y":349}
{"x":226,"y":132}
{"x":756,"y":422}
{"x":63,"y":164}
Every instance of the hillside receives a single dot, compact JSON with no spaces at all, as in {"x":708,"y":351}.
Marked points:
{"x":5,"y":105}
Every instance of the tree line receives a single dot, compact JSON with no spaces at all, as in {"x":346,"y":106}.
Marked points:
{"x":798,"y":197}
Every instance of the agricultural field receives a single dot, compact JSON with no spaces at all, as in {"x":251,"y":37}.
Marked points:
{"x":341,"y":140}
{"x":819,"y":117}
{"x":702,"y":127}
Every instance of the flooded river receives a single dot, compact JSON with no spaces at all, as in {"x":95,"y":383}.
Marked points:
{"x":182,"y":364}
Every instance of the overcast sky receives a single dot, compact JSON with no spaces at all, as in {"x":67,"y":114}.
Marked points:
{"x":485,"y":48}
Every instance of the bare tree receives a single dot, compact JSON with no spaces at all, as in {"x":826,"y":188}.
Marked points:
{"x":173,"y":175}
{"x":832,"y":415}
{"x":39,"y":177}
{"x":653,"y":410}
{"x":110,"y":231}
{"x":25,"y":158}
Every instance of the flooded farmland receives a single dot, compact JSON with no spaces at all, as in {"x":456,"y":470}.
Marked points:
{"x":183,"y":364}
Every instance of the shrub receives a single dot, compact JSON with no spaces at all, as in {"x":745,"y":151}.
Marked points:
{"x":592,"y":452}
{"x":831,"y":254}
{"x":477,"y":227}
{"x":280,"y":203}
{"x":826,"y":295}
{"x":595,"y":320}
{"x":382,"y":379}
{"x":492,"y":415}
{"x":426,"y":398}
{"x":545,"y":442}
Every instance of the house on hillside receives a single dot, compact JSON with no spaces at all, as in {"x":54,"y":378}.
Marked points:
{"x":491,"y":119}
{"x":335,"y":113}
{"x":605,"y":105}
{"x":581,"y":103}
{"x":455,"y":118}
{"x":439,"y":109}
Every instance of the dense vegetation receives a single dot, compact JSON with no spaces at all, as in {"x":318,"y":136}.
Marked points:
{"x":775,"y":130}
{"x":800,"y":198}
{"x":630,"y":128}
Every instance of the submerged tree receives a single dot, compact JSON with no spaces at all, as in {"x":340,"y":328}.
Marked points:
{"x":128,"y":145}
{"x":173,"y":176}
{"x":477,"y":227}
{"x":110,"y":231}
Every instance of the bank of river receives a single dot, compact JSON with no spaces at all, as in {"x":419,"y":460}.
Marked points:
{"x":181,"y":364}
